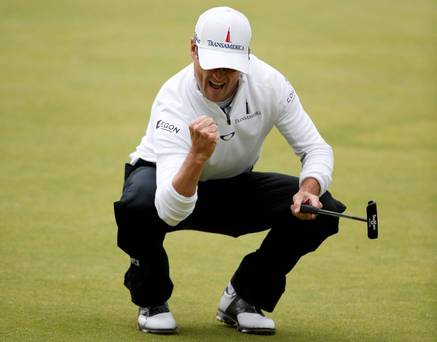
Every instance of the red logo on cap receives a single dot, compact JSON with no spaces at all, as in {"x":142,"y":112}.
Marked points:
{"x":228,"y":36}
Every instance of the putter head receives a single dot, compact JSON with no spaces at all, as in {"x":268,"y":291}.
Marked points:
{"x":372,"y":220}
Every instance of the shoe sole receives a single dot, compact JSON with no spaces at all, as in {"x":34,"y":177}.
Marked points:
{"x":158,"y":331}
{"x":229,"y":321}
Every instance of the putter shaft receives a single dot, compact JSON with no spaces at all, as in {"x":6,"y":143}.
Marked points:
{"x":333,"y":213}
{"x":305,"y":208}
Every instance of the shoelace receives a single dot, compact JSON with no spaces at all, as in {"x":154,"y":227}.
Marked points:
{"x":154,"y":310}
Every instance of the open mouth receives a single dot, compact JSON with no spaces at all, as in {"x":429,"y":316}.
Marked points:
{"x":216,"y":85}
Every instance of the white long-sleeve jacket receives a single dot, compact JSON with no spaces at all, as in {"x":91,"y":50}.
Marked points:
{"x":264,"y":99}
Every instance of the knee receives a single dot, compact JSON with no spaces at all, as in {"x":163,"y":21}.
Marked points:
{"x":330,"y":203}
{"x":138,"y":197}
{"x":139,"y":230}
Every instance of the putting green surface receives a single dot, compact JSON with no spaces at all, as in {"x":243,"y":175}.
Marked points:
{"x":77,"y":82}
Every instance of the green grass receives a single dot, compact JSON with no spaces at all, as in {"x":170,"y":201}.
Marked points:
{"x":77,"y":82}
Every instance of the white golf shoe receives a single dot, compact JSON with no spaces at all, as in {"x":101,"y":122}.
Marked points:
{"x":156,"y":319}
{"x":235,"y":311}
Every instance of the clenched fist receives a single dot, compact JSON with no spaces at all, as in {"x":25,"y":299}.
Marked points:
{"x":204,"y":137}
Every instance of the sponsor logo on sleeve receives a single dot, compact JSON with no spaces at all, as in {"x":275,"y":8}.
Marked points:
{"x":167,"y":126}
{"x":291,"y":96}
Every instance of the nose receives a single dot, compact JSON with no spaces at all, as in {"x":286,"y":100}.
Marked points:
{"x":219,"y":73}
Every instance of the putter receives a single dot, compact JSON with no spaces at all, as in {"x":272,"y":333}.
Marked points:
{"x":372,"y":216}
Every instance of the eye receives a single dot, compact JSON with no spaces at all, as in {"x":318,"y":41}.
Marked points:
{"x":230,"y":71}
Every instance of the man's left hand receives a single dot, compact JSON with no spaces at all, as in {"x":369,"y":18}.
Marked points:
{"x":306,"y":195}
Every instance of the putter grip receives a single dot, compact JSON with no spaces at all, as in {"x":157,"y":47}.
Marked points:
{"x":308,"y":209}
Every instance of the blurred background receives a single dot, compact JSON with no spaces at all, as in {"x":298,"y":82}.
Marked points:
{"x":77,"y":82}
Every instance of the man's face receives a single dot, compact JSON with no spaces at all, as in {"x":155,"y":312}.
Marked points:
{"x":216,"y":84}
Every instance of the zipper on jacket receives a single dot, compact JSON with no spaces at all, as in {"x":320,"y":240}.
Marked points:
{"x":226,"y":110}
{"x":228,"y":118}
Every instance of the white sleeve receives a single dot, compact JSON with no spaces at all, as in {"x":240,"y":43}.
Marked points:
{"x":172,"y":207}
{"x":299,"y":130}
{"x":171,"y":147}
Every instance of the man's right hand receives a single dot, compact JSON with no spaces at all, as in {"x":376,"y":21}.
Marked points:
{"x":204,"y":137}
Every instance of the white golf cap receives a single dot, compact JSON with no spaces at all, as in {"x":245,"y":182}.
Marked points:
{"x":222,"y":36}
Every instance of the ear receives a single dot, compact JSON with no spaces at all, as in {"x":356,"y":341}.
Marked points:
{"x":193,"y":49}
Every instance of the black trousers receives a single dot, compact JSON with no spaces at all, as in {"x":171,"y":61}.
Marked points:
{"x":248,"y":203}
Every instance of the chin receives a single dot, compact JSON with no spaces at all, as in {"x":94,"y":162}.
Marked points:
{"x":216,"y":98}
{"x":213,"y":97}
